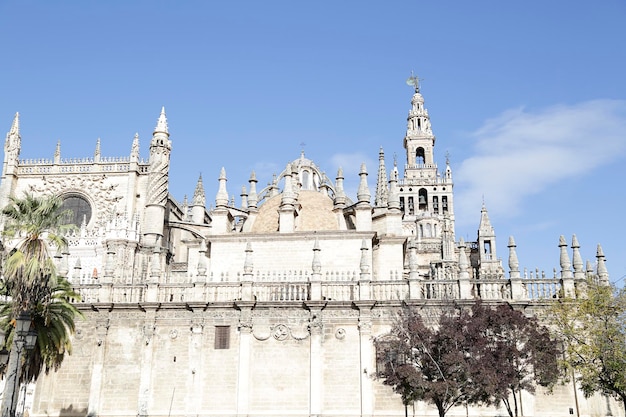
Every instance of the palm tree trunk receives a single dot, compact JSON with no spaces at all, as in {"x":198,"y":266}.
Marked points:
{"x":11,"y":388}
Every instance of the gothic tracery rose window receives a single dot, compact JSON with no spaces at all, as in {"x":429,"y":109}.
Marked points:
{"x":79,"y":209}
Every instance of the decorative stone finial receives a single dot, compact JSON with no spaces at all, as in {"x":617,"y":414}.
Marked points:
{"x":134,"y":150}
{"x":363,"y":194}
{"x":393,"y":200}
{"x":381,"y":185}
{"x":247,"y":265}
{"x":221,"y":199}
{"x":57,"y":153}
{"x":340,"y":194}
{"x":96,"y":154}
{"x":579,"y":271}
{"x":316,"y":265}
{"x":603,"y":274}
{"x":565,"y":262}
{"x":252,"y":196}
{"x":513,"y":261}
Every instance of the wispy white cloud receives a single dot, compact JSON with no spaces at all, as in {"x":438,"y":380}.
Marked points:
{"x":521,"y":153}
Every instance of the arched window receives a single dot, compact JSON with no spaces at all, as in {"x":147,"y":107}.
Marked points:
{"x":306,"y":180}
{"x":423,"y":199}
{"x":78,"y":208}
{"x":411,"y":206}
{"x":420,"y":156}
{"x":436,"y":205}
{"x":444,"y":203}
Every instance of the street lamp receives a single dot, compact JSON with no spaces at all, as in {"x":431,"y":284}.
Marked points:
{"x":24,"y":338}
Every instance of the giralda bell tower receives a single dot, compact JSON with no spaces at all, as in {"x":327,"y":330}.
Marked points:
{"x":425,"y":193}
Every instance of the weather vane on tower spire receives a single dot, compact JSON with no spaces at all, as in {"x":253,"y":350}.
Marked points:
{"x":414,"y":81}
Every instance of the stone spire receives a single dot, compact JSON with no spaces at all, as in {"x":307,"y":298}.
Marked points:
{"x":158,"y":182}
{"x":12,"y":145}
{"x":57,"y":153}
{"x":316,"y":275}
{"x":579,"y":267}
{"x":199,"y":198}
{"x":513,"y":261}
{"x":244,"y":198}
{"x":221,"y":199}
{"x":393,"y":201}
{"x":448,"y":173}
{"x":248,"y":262}
{"x":287,"y":208}
{"x":198,"y":202}
{"x":363,"y":194}
{"x":316,"y":265}
{"x":185,"y":208}
{"x":566,"y":265}
{"x":340,"y":194}
{"x":464,"y":265}
{"x":96,"y":154}
{"x":485,"y":226}
{"x":15,"y":127}
{"x":252,"y":196}
{"x":381,"y":185}
{"x":363,"y":207}
{"x":161,"y":126}
{"x":288,"y":197}
{"x":603,"y":274}
{"x":202,"y":259}
{"x":134,"y":150}
{"x":487,"y":243}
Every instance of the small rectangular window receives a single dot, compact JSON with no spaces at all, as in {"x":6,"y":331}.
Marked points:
{"x":222,"y":337}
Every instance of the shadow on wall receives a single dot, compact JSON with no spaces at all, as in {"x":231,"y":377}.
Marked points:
{"x":72,"y":412}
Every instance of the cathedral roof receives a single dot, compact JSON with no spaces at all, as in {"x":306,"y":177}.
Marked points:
{"x":315,"y":212}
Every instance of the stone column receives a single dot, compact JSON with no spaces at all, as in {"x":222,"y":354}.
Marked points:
{"x":147,"y":354}
{"x":95,"y":386}
{"x":316,"y":359}
{"x":366,"y":355}
{"x":245,"y":346}
{"x":194,"y":387}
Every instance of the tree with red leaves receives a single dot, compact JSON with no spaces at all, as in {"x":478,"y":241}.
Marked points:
{"x":471,"y":356}
{"x":514,"y":353}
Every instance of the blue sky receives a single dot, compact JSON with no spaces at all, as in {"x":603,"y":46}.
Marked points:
{"x":528,"y":98}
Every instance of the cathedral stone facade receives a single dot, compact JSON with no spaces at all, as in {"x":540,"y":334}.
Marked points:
{"x":269,"y":307}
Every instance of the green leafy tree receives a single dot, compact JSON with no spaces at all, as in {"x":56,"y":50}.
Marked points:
{"x":30,"y":281}
{"x":593,"y":330}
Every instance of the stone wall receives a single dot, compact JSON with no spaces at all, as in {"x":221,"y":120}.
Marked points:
{"x":161,"y":360}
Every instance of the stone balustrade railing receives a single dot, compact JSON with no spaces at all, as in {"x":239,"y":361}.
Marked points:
{"x":390,"y":290}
